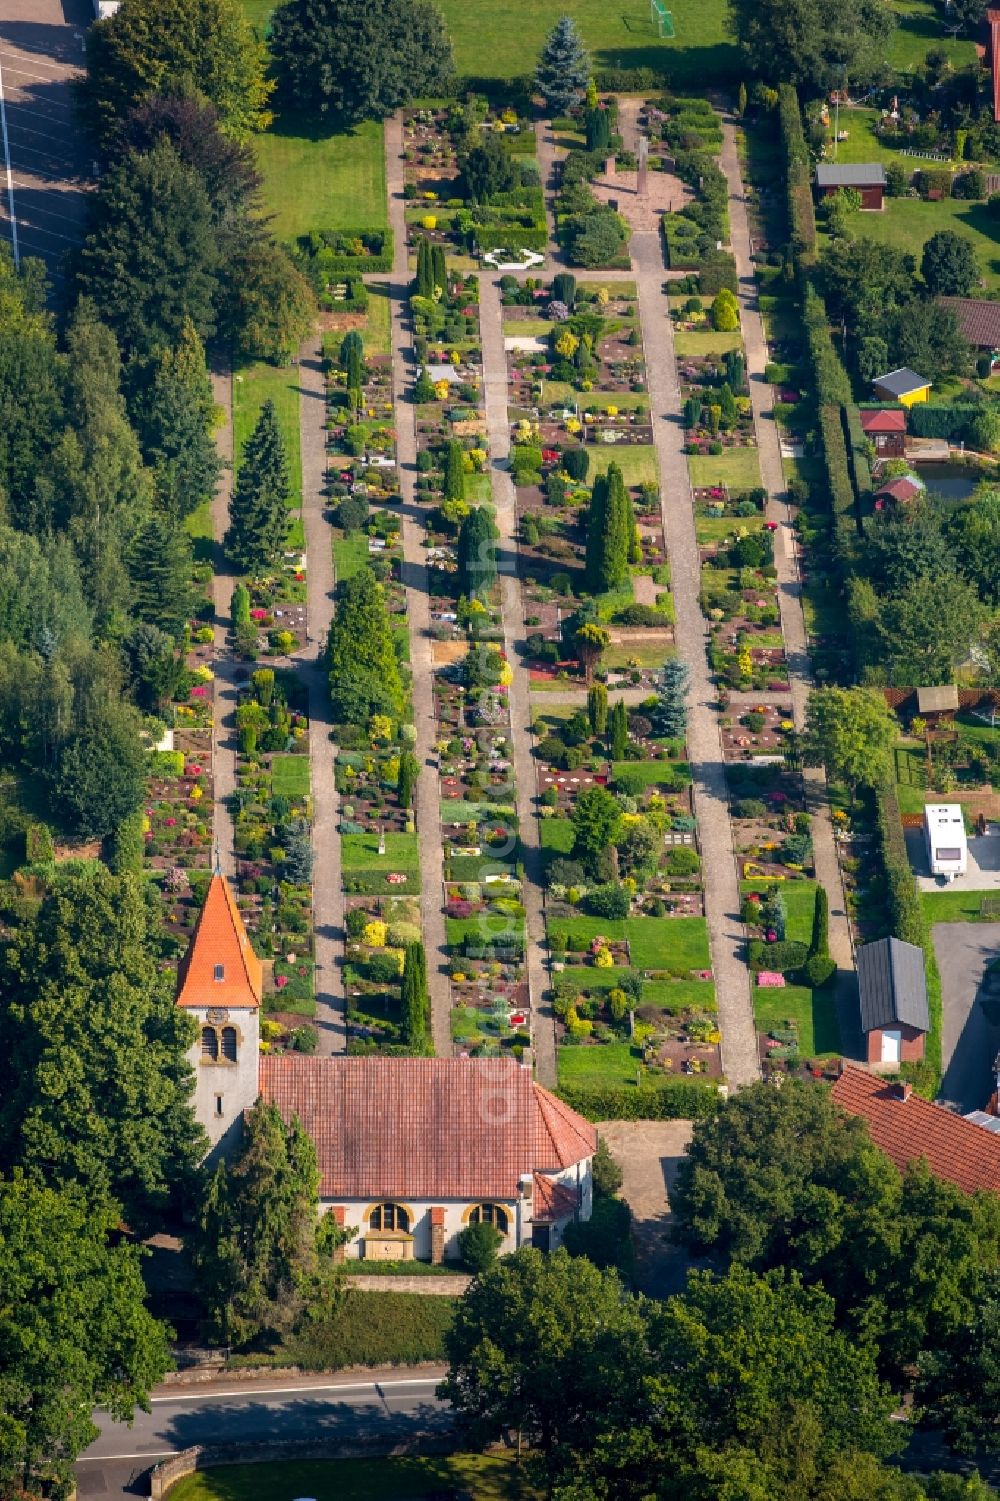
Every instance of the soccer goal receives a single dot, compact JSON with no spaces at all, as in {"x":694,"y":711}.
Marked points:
{"x":662,"y":19}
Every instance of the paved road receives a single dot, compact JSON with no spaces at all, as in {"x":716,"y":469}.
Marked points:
{"x":44,"y":170}
{"x":328,"y":889}
{"x":970,"y":1031}
{"x":277,"y":1408}
{"x":722,"y":899}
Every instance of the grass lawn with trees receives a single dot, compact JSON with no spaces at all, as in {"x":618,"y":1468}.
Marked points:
{"x":487,"y":1477}
{"x":318,"y":179}
{"x":800,"y":904}
{"x":907,"y":223}
{"x":504,"y":39}
{"x":814,"y":1013}
{"x":918,"y":30}
{"x":252,"y":386}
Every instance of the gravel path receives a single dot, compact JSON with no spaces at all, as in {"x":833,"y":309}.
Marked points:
{"x":427,"y":796}
{"x":722,"y":899}
{"x":327,"y":881}
{"x":504,"y":499}
{"x":789,"y":590}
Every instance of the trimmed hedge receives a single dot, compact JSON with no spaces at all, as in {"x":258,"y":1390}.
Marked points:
{"x":861,"y":473}
{"x":801,"y":213}
{"x":673,"y":1100}
{"x":934,"y":420}
{"x":782,"y":957}
{"x":364,"y":1328}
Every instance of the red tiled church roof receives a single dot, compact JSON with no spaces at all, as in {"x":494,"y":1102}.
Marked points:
{"x":890,"y":420}
{"x":220,"y":967}
{"x":425,"y":1128}
{"x":906,"y":1129}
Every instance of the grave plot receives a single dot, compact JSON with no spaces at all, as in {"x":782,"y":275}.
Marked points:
{"x":452,"y":448}
{"x":272,"y":840}
{"x":771,"y":828}
{"x":739,"y":595}
{"x":794,"y":1009}
{"x":756,"y":730}
{"x":379,"y":931}
{"x":718,"y":422}
{"x":472,"y":181}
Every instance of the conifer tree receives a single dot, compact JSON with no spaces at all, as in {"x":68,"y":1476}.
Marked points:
{"x":563,"y":68}
{"x":670,"y":714}
{"x":597,"y":708}
{"x":415,"y":997}
{"x":454,"y":471}
{"x":610,"y":532}
{"x":618,"y":731}
{"x":407,"y":780}
{"x":352,"y":359}
{"x":598,"y":129}
{"x":364,"y":673}
{"x":174,"y":419}
{"x":160,"y":566}
{"x":425,"y":269}
{"x":477,"y":554}
{"x":258,"y":516}
{"x":439,"y":269}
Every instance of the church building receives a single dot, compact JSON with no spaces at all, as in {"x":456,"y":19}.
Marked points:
{"x":410,"y":1150}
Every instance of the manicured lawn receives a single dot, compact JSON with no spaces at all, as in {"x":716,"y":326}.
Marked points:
{"x":706,"y":341}
{"x":668,"y":943}
{"x":813,"y":1012}
{"x":557,"y":835}
{"x":503,"y":39}
{"x":908,"y":222}
{"x":800,"y":904}
{"x":314,"y":179}
{"x":377,"y":330}
{"x":488,"y":1478}
{"x":637,"y":464}
{"x":717,"y":528}
{"x":644,"y":654}
{"x":350,"y":555}
{"x":252,"y":386}
{"x":955,"y":906}
{"x":290,"y":776}
{"x":360,"y":852}
{"x":919,"y":30}
{"x":736,"y":467}
{"x":608,"y":1063}
{"x":651,"y":773}
{"x":198,"y":526}
{"x":862,"y":145}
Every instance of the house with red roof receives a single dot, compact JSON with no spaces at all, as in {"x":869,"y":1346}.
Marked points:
{"x":410,"y":1150}
{"x":899,"y":491}
{"x":908,"y":1128}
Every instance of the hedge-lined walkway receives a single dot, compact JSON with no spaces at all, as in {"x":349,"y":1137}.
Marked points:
{"x":224,"y":667}
{"x":789,"y":586}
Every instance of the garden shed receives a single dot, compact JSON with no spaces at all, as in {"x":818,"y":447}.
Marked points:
{"x":978,"y":320}
{"x":866,"y":178}
{"x":937,"y":704}
{"x":899,"y":491}
{"x":887,"y":430}
{"x":902,"y":385}
{"x":892,"y":990}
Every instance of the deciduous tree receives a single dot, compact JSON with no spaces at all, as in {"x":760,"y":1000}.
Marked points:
{"x":364,"y":673}
{"x":811,"y":43}
{"x":948,"y":264}
{"x":352,"y":60}
{"x":851,"y":732}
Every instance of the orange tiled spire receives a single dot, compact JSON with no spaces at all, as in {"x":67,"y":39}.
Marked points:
{"x":220,"y":967}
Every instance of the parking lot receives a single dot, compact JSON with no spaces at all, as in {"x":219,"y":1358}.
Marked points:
{"x":45,"y":170}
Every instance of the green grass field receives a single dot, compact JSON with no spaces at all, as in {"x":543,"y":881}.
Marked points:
{"x":907,"y":223}
{"x":862,"y":144}
{"x":503,"y":39}
{"x":813,"y":1011}
{"x":252,"y":386}
{"x":654,"y":942}
{"x":488,"y":1478}
{"x":706,"y":341}
{"x":800,"y":904}
{"x":377,"y":330}
{"x":736,"y":467}
{"x":350,"y":555}
{"x":637,"y":464}
{"x":955,"y":906}
{"x":314,"y":179}
{"x":360,"y":852}
{"x":918,"y":31}
{"x":611,"y":1063}
{"x":651,"y":773}
{"x":718,"y":528}
{"x":290,"y":776}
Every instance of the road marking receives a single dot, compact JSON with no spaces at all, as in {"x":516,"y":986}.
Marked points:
{"x":92,"y":1459}
{"x":284,"y":1391}
{"x":10,"y":177}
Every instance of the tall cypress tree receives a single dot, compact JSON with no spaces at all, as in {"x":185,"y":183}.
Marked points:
{"x":597,"y":708}
{"x":425,"y":272}
{"x":454,"y":471}
{"x":618,"y":731}
{"x":415,"y":997}
{"x":477,"y":554}
{"x":352,"y":359}
{"x":364,"y":673}
{"x":160,"y":566}
{"x":610,"y":533}
{"x":563,"y":67}
{"x":439,"y":268}
{"x":258,"y":515}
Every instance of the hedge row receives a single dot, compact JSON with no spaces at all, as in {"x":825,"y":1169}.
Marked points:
{"x":364,"y":1329}
{"x":934,"y":420}
{"x":673,"y":1100}
{"x":861,"y":473}
{"x":801,"y":214}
